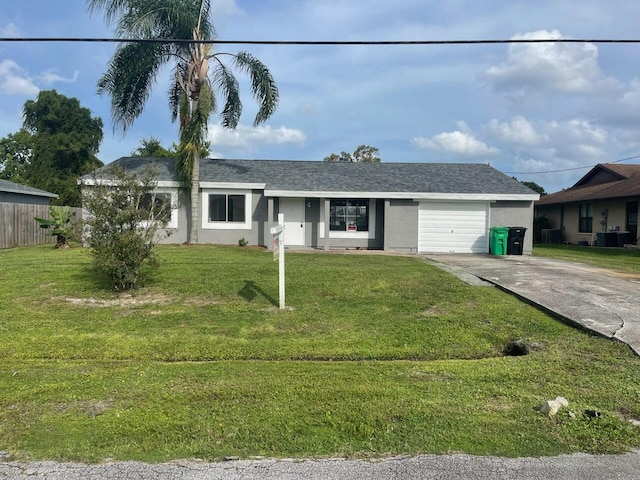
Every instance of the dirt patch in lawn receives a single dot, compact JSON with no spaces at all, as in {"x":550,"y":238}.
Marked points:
{"x":201,"y":301}
{"x":126,"y":300}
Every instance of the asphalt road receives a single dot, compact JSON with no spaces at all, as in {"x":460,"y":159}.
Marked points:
{"x":445,"y":467}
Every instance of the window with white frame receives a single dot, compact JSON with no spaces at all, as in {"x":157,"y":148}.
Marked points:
{"x":350,"y":218}
{"x":349,"y":215}
{"x":162,"y":204}
{"x":226,"y":209}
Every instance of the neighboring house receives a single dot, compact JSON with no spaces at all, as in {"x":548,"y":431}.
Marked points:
{"x":15,"y":193}
{"x":604,"y":200}
{"x":404,"y":207}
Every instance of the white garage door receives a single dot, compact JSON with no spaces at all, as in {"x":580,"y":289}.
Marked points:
{"x":452,"y":227}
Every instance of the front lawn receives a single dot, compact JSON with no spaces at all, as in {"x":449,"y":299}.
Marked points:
{"x":622,"y":259}
{"x":379,"y":355}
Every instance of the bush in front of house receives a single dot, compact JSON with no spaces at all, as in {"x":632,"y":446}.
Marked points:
{"x":124,"y":216}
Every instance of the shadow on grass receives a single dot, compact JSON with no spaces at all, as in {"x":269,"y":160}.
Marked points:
{"x":95,"y":280}
{"x":250,"y":291}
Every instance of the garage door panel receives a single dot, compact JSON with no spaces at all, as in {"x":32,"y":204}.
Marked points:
{"x":452,"y":227}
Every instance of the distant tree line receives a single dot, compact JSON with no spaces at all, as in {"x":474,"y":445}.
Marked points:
{"x":364,"y":153}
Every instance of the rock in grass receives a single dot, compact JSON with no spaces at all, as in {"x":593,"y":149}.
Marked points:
{"x":551,"y":407}
{"x":521,"y":346}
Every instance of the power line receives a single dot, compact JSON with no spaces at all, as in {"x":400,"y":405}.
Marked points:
{"x":571,"y":169}
{"x":317,"y":42}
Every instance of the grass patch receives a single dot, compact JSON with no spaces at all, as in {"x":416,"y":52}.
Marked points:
{"x":380,"y":355}
{"x":624,"y":260}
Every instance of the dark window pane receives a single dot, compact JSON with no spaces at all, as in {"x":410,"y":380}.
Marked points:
{"x":159,"y":204}
{"x":585,"y":221}
{"x":236,"y":208}
{"x":349,"y":215}
{"x":217,"y":208}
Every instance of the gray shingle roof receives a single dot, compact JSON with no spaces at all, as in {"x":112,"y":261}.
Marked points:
{"x":293,"y":175}
{"x":6,"y":186}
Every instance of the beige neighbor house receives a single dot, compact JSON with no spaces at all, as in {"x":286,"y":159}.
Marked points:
{"x":600,"y":209}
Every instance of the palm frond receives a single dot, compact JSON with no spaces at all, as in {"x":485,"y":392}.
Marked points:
{"x":129,"y":79}
{"x":227,"y":84}
{"x":263,"y":86}
{"x":111,"y":8}
{"x":176,"y":89}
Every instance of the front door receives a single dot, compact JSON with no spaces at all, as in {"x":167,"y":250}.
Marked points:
{"x":293,"y":209}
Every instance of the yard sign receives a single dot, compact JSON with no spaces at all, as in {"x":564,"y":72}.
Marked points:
{"x":278,"y":254}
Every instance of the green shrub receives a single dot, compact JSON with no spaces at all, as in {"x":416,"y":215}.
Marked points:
{"x":124,"y":216}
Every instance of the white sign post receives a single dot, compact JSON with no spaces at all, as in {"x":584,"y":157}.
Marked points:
{"x":278,"y":254}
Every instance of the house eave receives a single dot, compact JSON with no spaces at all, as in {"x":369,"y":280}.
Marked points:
{"x":233,"y":185}
{"x":31,"y":194}
{"x":110,"y":182}
{"x":402,"y":195}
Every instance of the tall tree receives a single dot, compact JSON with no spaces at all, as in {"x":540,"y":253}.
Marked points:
{"x":535,"y":187}
{"x":151,"y":147}
{"x":364,"y":153}
{"x":15,"y":156}
{"x":57,"y":144}
{"x":192,"y":95}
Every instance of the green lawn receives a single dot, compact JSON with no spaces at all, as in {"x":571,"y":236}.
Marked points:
{"x":624,"y":260}
{"x":380,"y":355}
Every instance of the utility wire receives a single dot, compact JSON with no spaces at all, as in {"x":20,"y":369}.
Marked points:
{"x":571,"y":169}
{"x":317,"y":42}
{"x":343,"y":42}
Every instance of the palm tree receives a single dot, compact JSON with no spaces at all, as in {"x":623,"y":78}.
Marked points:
{"x":198,"y":73}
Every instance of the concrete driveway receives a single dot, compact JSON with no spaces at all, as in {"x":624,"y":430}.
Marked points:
{"x":597,"y":299}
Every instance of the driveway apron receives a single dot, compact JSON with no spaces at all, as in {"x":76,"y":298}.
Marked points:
{"x":597,"y":299}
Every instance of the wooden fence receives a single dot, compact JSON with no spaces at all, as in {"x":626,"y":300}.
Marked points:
{"x":18,"y":227}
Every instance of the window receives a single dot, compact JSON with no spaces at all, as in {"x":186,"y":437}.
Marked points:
{"x":158,"y":203}
{"x":349,"y":215}
{"x":163,"y":203}
{"x":230,"y":209}
{"x":585,"y":224}
{"x":226,"y":208}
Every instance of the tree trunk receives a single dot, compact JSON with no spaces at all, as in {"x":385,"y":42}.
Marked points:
{"x":195,"y":200}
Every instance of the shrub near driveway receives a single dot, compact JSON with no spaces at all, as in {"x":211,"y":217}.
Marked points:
{"x":379,"y":355}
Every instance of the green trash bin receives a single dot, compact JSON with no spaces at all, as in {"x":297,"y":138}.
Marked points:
{"x":498,"y":239}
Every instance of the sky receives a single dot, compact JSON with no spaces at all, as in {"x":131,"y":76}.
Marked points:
{"x":522,"y":108}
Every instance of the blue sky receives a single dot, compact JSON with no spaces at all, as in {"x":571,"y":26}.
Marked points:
{"x":521,"y":108}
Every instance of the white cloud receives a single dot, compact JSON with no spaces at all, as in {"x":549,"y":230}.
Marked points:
{"x":306,"y":108}
{"x":577,"y":130}
{"x":519,"y":132}
{"x":245,"y":136}
{"x":561,"y":67}
{"x":49,"y":77}
{"x":456,"y":143}
{"x":15,"y":81}
{"x":9,"y":30}
{"x":221,"y":8}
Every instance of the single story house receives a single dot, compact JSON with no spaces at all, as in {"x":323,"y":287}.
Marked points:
{"x":403,"y":207}
{"x":604,"y":200}
{"x":15,"y":193}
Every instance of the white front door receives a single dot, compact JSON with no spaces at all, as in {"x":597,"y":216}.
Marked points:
{"x":293,"y":209}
